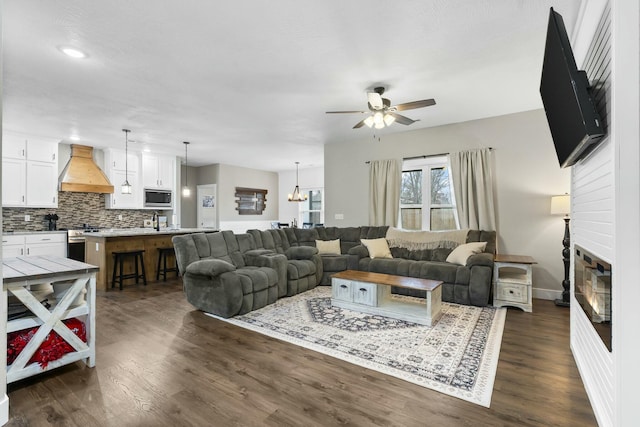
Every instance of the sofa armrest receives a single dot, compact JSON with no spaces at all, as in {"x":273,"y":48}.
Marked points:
{"x":210,"y":267}
{"x":360,"y":251}
{"x":271,"y":259}
{"x":301,"y":252}
{"x":484,"y":259}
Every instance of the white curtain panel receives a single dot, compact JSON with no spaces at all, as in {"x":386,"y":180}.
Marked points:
{"x":385,"y":178}
{"x":473,"y":188}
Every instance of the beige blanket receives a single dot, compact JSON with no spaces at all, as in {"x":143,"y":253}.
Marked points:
{"x":418,"y":240}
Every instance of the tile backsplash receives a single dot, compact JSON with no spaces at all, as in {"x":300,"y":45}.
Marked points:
{"x":75,"y":209}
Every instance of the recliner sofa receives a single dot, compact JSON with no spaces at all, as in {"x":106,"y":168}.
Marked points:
{"x":292,"y":253}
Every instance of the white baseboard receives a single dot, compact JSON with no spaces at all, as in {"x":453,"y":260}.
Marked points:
{"x":549,"y":294}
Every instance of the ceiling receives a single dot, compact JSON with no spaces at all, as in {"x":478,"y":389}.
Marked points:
{"x":248,"y":83}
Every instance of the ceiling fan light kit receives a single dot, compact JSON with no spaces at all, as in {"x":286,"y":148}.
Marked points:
{"x":383,"y":113}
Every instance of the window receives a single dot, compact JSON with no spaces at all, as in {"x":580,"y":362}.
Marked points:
{"x":426,"y":197}
{"x":312,"y":209}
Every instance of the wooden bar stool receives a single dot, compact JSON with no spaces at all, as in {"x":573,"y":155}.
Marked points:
{"x":163,"y":253}
{"x":118,"y":260}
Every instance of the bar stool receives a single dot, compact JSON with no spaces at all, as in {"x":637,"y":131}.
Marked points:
{"x":119,"y":258}
{"x":162,"y":260}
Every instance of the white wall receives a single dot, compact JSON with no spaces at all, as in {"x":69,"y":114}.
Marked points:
{"x":606,"y":189}
{"x":527,"y":174}
{"x":309,"y":178}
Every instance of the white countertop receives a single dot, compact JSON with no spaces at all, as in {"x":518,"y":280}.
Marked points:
{"x":25,"y":232}
{"x":124,"y":232}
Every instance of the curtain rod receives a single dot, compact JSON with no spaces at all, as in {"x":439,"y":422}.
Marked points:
{"x":424,"y":156}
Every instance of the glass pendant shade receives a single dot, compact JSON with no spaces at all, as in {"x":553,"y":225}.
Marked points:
{"x":186,"y":191}
{"x":389,"y":119}
{"x":369,"y":121}
{"x":126,"y":187}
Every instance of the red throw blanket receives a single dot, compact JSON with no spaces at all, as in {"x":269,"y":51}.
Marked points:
{"x":52,"y":348}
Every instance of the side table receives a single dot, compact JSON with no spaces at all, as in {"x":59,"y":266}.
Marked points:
{"x":512,"y":281}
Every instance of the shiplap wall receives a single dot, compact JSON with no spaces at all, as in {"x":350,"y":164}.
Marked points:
{"x":592,"y":218}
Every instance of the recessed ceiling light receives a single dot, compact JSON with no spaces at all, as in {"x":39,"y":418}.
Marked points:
{"x":74,"y":138}
{"x":72,"y":52}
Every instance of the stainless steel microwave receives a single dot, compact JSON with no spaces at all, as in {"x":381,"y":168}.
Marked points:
{"x":158,"y":198}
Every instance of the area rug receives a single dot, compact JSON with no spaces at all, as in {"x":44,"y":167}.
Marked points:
{"x":457,"y":356}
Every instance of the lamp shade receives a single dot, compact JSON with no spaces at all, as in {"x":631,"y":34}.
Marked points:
{"x":561,"y":205}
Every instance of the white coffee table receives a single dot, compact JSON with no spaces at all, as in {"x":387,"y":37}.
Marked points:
{"x":371,"y":293}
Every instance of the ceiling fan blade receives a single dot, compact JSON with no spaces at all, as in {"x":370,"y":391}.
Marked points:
{"x":343,"y":112}
{"x":402,"y":119}
{"x":359,"y":124}
{"x":415,"y":104}
{"x":375,"y":100}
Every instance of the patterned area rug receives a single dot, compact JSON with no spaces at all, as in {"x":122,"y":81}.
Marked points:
{"x":457,"y":356}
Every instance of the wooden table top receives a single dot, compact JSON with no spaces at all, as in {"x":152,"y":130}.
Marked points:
{"x":389,"y":279}
{"x":515,"y":259}
{"x":23,"y":268}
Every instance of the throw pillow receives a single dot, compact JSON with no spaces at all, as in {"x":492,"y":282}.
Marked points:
{"x":462,"y":252}
{"x":378,"y":248}
{"x":328,"y":246}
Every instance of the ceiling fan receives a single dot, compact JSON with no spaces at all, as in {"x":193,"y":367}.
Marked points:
{"x":383,"y":113}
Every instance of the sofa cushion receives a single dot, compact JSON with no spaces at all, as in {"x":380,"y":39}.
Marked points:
{"x":378,"y":248}
{"x":254,"y":279}
{"x":301,"y":252}
{"x":210,"y":267}
{"x":328,"y":246}
{"x":299,"y":268}
{"x":461,"y":253}
{"x":334,"y":263}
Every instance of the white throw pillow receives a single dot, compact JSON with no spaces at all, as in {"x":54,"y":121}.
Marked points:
{"x":378,"y":248}
{"x":328,"y":246}
{"x":462,"y":252}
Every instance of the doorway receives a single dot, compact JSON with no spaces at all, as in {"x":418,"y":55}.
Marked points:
{"x":207,"y":206}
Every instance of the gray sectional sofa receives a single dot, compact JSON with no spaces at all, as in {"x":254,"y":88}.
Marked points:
{"x":228,"y":274}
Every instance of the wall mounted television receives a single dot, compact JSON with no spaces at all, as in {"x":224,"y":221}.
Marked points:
{"x":576,"y":127}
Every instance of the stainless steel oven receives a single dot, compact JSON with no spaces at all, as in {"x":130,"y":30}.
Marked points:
{"x":76,"y":242}
{"x":75,"y":245}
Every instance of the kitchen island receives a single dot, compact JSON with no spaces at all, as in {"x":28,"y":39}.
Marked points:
{"x":99,"y":247}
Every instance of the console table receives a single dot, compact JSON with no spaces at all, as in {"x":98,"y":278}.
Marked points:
{"x":512,"y":281}
{"x":19,"y":274}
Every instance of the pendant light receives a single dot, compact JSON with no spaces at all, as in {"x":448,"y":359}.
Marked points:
{"x":186,"y":191}
{"x":126,"y":187}
{"x":296,"y":196}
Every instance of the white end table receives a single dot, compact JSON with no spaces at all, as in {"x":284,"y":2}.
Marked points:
{"x":512,"y":281}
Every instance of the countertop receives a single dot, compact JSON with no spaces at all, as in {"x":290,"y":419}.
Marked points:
{"x":125,"y":232}
{"x":26,"y":232}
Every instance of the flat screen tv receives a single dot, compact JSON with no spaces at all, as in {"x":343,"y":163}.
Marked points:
{"x":576,"y":127}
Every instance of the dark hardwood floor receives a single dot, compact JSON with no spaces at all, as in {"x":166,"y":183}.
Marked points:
{"x":161,"y":363}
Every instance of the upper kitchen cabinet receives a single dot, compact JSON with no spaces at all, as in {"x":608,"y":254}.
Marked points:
{"x":120,"y":168}
{"x":29,"y":172}
{"x":158,"y":171}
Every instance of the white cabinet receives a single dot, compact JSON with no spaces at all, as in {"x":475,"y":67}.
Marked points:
{"x":118,"y":171}
{"x":42,"y":184}
{"x":14,"y":182}
{"x":158,"y":171}
{"x":29,"y":173}
{"x":12,"y":246}
{"x":117,"y":200}
{"x":34,"y":244}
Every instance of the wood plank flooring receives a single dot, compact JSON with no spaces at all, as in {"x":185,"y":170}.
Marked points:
{"x":161,"y":363}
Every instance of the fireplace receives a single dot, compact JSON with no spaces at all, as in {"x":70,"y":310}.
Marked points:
{"x":593,"y":291}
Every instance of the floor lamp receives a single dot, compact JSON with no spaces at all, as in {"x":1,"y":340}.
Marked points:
{"x":561,"y":205}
